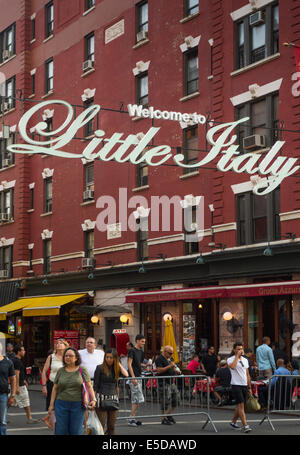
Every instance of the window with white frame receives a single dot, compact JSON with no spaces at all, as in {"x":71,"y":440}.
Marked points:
{"x":49,"y":19}
{"x":47,"y":251}
{"x":142,"y":95}
{"x":257,"y":36}
{"x":191,"y":71}
{"x":263,"y":122}
{"x":49,"y":75}
{"x":258,"y":217}
{"x":6,"y":260}
{"x":191,"y":7}
{"x":6,"y":158}
{"x":8,"y":43}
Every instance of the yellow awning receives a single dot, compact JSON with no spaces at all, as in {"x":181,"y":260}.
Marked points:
{"x":17,"y":305}
{"x":39,"y":306}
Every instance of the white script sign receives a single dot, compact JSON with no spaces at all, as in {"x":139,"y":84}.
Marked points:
{"x":221,"y":138}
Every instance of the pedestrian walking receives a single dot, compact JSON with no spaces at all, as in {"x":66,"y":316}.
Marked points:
{"x":124,"y":358}
{"x":66,"y":397}
{"x":265,"y":359}
{"x":90,"y":356}
{"x":9,"y":351}
{"x":209,"y":363}
{"x":22,"y":396}
{"x":240,"y":385}
{"x":52,"y":365}
{"x":7,"y":373}
{"x":106,"y":387}
{"x":135,"y":359}
{"x":169,"y":396}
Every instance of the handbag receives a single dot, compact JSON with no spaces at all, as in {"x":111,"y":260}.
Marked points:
{"x":252,"y":404}
{"x":108,"y":402}
{"x":85,"y":393}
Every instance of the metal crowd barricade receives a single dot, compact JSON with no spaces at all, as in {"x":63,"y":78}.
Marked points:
{"x":283,"y":396}
{"x":190,"y":394}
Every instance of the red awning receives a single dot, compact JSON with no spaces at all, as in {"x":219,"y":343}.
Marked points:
{"x":216,"y":292}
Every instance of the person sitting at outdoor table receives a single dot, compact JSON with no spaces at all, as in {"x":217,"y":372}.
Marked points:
{"x":280,"y":371}
{"x":295,"y":367}
{"x":224,"y":376}
{"x":194,"y":364}
{"x":281,"y":387}
{"x":253,"y":370}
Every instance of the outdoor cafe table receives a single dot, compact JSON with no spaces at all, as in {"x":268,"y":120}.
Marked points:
{"x":201,"y":385}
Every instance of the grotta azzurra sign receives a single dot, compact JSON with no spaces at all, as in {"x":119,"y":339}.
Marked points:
{"x":122,"y":149}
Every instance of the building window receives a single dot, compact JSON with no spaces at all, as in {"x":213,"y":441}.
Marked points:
{"x":9,"y":91}
{"x":191,"y":244}
{"x":90,"y":48}
{"x":191,"y":7}
{"x":7,"y":206}
{"x":6,"y":158}
{"x":89,"y":244}
{"x":191,"y":72}
{"x":8,"y":43}
{"x":33,"y":29}
{"x":142,"y":17}
{"x":190,"y":145}
{"x":89,"y":186}
{"x":48,"y":195}
{"x":47,"y":256}
{"x":142,"y":171}
{"x":89,"y":4}
{"x":30,"y":258}
{"x":90,"y":126}
{"x":257,"y":36}
{"x":263,"y":122}
{"x":31,"y":201}
{"x":33,"y":84}
{"x":49,"y":19}
{"x":49,"y":73}
{"x":142,"y":89}
{"x":6,"y":259}
{"x":142,"y":239}
{"x":258,"y":217}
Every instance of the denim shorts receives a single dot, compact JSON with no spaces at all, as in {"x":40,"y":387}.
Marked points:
{"x":136,"y":392}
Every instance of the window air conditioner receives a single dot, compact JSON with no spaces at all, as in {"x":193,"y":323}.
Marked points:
{"x":88,"y":194}
{"x":6,"y":54}
{"x":140,"y":36}
{"x":4,"y":217}
{"x":87,"y":65}
{"x":253,"y":142}
{"x":88,"y":262}
{"x":256,"y":18}
{"x":3,"y":273}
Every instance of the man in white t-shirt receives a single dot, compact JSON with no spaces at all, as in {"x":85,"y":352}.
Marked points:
{"x":91,"y":357}
{"x":240,"y":385}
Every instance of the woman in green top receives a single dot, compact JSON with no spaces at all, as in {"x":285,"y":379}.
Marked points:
{"x":66,"y":397}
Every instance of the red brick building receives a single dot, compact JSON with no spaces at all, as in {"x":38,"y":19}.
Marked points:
{"x":221,"y":60}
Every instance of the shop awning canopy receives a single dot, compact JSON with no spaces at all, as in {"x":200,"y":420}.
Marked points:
{"x":217,"y":292}
{"x":39,"y":306}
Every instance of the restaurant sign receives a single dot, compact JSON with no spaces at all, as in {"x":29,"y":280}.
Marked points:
{"x":130,"y":149}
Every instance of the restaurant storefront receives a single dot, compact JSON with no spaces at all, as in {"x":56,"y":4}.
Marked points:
{"x":221,"y":315}
{"x":33,"y":321}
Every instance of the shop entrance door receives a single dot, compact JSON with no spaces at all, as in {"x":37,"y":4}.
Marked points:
{"x":152,"y":324}
{"x":110,"y":325}
{"x":274,"y":320}
{"x":204,"y":326}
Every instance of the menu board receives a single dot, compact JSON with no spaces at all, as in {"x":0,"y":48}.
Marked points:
{"x":71,"y":336}
{"x":189,"y":325}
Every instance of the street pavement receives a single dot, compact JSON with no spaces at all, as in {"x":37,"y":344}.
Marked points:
{"x":185,"y":426}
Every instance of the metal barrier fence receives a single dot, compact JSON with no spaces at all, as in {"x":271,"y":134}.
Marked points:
{"x":281,"y":395}
{"x":187,"y":395}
